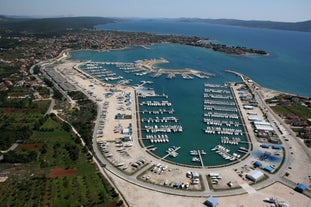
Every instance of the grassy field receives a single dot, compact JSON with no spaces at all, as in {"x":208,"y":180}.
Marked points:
{"x":297,"y":109}
{"x":30,"y":184}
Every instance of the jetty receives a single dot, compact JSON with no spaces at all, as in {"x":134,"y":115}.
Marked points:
{"x":159,"y":120}
{"x":163,"y":128}
{"x":159,"y":111}
{"x":172,"y":151}
{"x":200,"y":157}
{"x":149,"y":66}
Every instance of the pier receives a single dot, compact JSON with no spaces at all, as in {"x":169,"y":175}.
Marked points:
{"x":163,"y":128}
{"x":155,"y":103}
{"x":160,"y":111}
{"x":157,"y":138}
{"x":200,"y":157}
{"x":149,"y":67}
{"x":222,"y":117}
{"x":171,"y":152}
{"x":158,"y":120}
{"x":97,"y":70}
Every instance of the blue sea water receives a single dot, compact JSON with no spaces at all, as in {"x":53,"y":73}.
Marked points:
{"x":285,"y":69}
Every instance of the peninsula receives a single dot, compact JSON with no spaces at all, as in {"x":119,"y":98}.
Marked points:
{"x":80,"y":33}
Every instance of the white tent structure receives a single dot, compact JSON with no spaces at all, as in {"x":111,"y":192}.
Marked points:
{"x":255,"y":175}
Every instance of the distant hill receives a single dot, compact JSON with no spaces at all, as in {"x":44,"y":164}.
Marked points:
{"x":51,"y":25}
{"x":293,"y":26}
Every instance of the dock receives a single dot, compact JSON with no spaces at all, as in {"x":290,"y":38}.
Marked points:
{"x":170,"y":153}
{"x":201,"y":160}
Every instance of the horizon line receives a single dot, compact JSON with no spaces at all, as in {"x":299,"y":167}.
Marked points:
{"x":116,"y":17}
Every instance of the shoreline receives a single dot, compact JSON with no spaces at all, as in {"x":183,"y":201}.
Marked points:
{"x":268,"y":92}
{"x":167,"y":71}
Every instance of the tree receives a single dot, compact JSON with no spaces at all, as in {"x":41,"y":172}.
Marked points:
{"x":36,"y":70}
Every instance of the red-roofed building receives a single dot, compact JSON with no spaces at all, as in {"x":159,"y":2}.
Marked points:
{"x":8,"y":82}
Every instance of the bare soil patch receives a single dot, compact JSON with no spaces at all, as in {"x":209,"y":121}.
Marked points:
{"x":30,"y":146}
{"x":62,"y":172}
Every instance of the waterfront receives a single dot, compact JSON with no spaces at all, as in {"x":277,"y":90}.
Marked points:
{"x":288,"y":60}
{"x":186,"y":92}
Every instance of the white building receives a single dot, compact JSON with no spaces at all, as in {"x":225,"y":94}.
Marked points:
{"x":255,"y":175}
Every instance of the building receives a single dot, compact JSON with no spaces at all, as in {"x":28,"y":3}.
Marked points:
{"x":277,"y":147}
{"x":266,"y":146}
{"x":268,"y":169}
{"x":262,"y":126}
{"x":257,"y":164}
{"x":300,"y":188}
{"x":255,"y":175}
{"x":211,"y":202}
{"x":126,"y":131}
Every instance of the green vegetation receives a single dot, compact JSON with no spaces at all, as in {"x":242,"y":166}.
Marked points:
{"x":296,"y":109}
{"x":48,"y":150}
{"x":18,"y":117}
{"x":6,"y":70}
{"x":82,"y":118}
{"x":294,"y":26}
{"x":53,"y":25}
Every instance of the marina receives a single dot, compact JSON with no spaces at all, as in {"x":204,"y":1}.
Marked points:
{"x":155,"y":125}
{"x":97,"y":70}
{"x":222,"y":118}
{"x":224,"y":153}
{"x":162,"y":116}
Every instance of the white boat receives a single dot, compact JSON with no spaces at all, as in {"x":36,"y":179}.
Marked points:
{"x":194,"y":152}
{"x":195,"y":159}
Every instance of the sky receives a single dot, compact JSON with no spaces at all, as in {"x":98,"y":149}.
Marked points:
{"x":274,"y":10}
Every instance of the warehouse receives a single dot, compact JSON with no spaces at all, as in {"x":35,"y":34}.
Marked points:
{"x":255,"y":175}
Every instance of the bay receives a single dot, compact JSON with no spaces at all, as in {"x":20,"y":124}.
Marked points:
{"x":285,"y":69}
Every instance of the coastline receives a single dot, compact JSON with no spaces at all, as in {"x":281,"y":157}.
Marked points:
{"x":266,"y":92}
